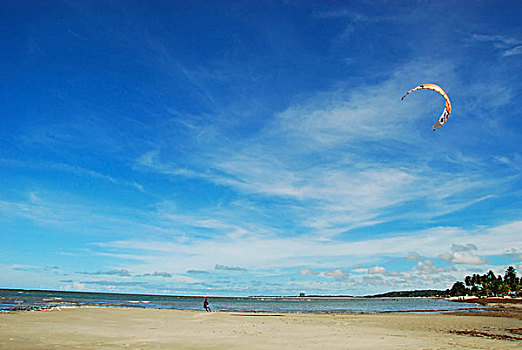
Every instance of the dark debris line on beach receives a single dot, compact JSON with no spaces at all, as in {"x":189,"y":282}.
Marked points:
{"x":475,"y":333}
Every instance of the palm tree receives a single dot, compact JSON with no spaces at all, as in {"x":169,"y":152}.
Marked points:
{"x":467,"y":280}
{"x":475,"y":279}
{"x":486,"y":283}
{"x":511,"y":279}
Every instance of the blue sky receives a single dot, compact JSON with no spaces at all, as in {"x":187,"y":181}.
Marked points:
{"x":247,"y":148}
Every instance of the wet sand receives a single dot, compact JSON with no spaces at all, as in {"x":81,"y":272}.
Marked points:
{"x":110,"y":328}
{"x":514,"y":304}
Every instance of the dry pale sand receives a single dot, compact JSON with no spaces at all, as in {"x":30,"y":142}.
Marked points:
{"x":109,"y":328}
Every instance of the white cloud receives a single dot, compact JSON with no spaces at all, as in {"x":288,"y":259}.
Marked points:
{"x":463,"y":248}
{"x":115,"y":272}
{"x":427,"y":266}
{"x":462,"y":258}
{"x":406,"y":275}
{"x":374,"y":280}
{"x":489,"y":241}
{"x":186,"y":279}
{"x":514,"y":253}
{"x":290,"y":252}
{"x":157,"y":274}
{"x":413,"y":257}
{"x":229,"y":268}
{"x":76,"y":286}
{"x":337,"y":274}
{"x":377,"y":269}
{"x":307,"y":272}
{"x":463,"y":254}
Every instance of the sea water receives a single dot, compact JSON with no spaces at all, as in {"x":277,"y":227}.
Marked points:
{"x":17,"y":300}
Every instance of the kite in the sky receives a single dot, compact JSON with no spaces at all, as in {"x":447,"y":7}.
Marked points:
{"x":447,"y":109}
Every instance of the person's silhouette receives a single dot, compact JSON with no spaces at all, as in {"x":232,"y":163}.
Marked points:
{"x":205,"y":305}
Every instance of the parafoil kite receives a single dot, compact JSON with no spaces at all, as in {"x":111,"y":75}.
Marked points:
{"x":447,"y":109}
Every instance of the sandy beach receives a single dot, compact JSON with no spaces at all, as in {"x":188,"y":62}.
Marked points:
{"x":109,"y":328}
{"x":513,"y":304}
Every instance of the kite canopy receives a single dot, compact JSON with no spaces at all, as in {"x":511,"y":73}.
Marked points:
{"x":447,"y":109}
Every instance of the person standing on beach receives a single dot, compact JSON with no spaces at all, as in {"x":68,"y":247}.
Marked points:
{"x":205,"y":305}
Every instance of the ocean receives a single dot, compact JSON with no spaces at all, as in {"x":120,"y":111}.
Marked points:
{"x":21,"y":300}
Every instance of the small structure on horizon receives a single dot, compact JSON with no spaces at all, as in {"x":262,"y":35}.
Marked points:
{"x":302,"y":294}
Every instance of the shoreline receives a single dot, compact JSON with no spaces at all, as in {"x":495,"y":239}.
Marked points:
{"x":512,"y":304}
{"x":95,"y":327}
{"x":464,"y":310}
{"x":260,"y":312}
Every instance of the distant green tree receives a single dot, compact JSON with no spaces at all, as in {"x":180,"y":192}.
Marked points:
{"x":458,"y":289}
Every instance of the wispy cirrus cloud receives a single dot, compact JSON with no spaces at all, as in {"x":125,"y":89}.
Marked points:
{"x":517,"y":50}
{"x":93,"y":174}
{"x":502,"y":40}
{"x":55,"y":209}
{"x":70,"y":169}
{"x":509,"y":46}
{"x":311,"y":154}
